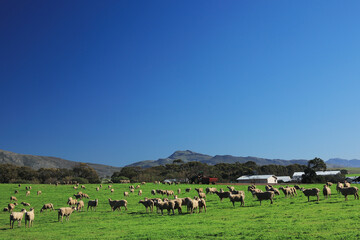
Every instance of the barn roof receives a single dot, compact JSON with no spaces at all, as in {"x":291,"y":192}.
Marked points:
{"x":284,"y":178}
{"x":252,"y":177}
{"x":322,"y":173}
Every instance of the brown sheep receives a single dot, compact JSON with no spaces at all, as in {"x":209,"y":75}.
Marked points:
{"x":11,"y":206}
{"x":47,"y":206}
{"x":147,"y":204}
{"x":117,"y":204}
{"x":153,"y":192}
{"x":199,"y":190}
{"x":25,"y":204}
{"x":222,"y":195}
{"x":237,"y":198}
{"x":311,"y":192}
{"x":28,"y":193}
{"x":350,"y":191}
{"x":265,"y":196}
{"x":12,"y":198}
{"x":140,"y":192}
{"x":202,"y":195}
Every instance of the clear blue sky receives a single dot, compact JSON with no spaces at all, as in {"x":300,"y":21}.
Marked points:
{"x":116,"y":82}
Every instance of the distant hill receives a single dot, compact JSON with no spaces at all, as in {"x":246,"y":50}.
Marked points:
{"x":188,"y":156}
{"x":344,"y":162}
{"x":37,"y":162}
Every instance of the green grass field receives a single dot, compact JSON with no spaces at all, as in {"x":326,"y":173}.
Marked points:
{"x":287,"y":218}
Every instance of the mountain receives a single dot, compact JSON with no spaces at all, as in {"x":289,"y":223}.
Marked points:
{"x":344,"y":162}
{"x":37,"y":162}
{"x":188,"y":156}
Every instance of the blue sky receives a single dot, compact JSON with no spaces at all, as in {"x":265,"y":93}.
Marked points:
{"x":116,"y":82}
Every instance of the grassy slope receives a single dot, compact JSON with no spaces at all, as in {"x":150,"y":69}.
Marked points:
{"x":287,"y":218}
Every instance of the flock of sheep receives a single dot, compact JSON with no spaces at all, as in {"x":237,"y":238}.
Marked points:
{"x":171,"y":201}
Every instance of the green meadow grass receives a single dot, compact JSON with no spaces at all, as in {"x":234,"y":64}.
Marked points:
{"x":287,"y":218}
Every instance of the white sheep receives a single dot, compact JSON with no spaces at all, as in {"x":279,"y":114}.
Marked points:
{"x":311,"y":192}
{"x":29,"y":218}
{"x":16,"y":216}
{"x":148,"y":203}
{"x":80,"y":205}
{"x":327,"y":191}
{"x":117,"y":204}
{"x":39,"y":192}
{"x":65,"y":211}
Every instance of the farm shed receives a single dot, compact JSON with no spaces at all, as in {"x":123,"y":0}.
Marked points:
{"x":298,"y":175}
{"x":283,"y":178}
{"x":257,"y":179}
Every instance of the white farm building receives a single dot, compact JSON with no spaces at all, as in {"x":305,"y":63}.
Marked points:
{"x":252,"y":179}
{"x":298,"y":175}
{"x":283,"y":178}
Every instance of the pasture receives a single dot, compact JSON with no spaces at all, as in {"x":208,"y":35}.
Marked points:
{"x":287,"y":218}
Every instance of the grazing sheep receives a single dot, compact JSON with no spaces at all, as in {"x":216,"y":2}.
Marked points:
{"x":112,"y":190}
{"x":71,"y":201}
{"x":92,"y":204}
{"x":131,"y":187}
{"x":193,"y":205}
{"x":100,"y":185}
{"x":237,"y":198}
{"x":329,"y":184}
{"x":140,"y":192}
{"x":346,"y":184}
{"x":297,"y":187}
{"x":109,"y":186}
{"x":80,"y":205}
{"x":202,"y":205}
{"x":132,"y":190}
{"x":210,"y":190}
{"x":231,"y":189}
{"x":179,"y":191}
{"x":65,"y":211}
{"x":16,"y":216}
{"x":29,"y":218}
{"x":202,"y":195}
{"x":327,"y":191}
{"x":148,"y":204}
{"x":97,"y":189}
{"x":19,"y":185}
{"x":222,"y":195}
{"x":169,"y":192}
{"x":137,"y":186}
{"x":75,"y":187}
{"x":47,"y":206}
{"x":350,"y":191}
{"x":11,"y":206}
{"x":117,"y":204}
{"x":83,"y":187}
{"x":199,"y":190}
{"x":126,"y":194}
{"x":27,"y":193}
{"x":12,"y":198}
{"x":25,"y":204}
{"x":287,"y":191}
{"x":187,"y":189}
{"x":39,"y":192}
{"x":167,"y":205}
{"x":153,"y":192}
{"x":143,"y":183}
{"x":265,"y":196}
{"x":311,"y":192}
{"x":338,"y":186}
{"x":5,"y":209}
{"x":254,"y":191}
{"x":16,"y":192}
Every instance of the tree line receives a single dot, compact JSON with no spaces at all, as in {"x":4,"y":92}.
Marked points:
{"x":81,"y":173}
{"x":225,"y":172}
